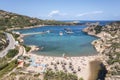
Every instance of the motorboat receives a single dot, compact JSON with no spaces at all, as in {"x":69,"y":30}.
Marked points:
{"x":48,"y":31}
{"x":68,"y":31}
{"x":60,"y":33}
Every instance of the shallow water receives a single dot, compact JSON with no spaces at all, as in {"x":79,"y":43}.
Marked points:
{"x":76,"y":44}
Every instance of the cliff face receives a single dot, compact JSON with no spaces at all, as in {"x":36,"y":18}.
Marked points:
{"x":109,"y":46}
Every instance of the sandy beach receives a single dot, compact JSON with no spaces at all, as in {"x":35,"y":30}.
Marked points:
{"x":75,"y":65}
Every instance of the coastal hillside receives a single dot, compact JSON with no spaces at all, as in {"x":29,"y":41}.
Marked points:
{"x":13,"y":20}
{"x":9,"y":20}
{"x":109,"y":46}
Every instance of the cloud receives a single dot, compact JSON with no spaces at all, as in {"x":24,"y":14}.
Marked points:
{"x":90,"y":13}
{"x":56,"y":12}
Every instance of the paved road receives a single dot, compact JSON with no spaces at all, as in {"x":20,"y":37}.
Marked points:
{"x":10,"y":46}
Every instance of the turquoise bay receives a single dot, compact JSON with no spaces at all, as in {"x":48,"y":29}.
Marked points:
{"x":76,"y":44}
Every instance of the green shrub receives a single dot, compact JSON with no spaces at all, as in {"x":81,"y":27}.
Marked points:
{"x":50,"y":75}
{"x":12,"y":53}
{"x":27,"y":48}
{"x":98,"y":29}
{"x":81,"y":79}
{"x":3,"y":65}
{"x":16,"y":36}
{"x":8,"y":68}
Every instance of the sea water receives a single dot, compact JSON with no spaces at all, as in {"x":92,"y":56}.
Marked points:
{"x":77,"y":43}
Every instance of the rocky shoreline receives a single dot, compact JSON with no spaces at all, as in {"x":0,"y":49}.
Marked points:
{"x":108,"y":45}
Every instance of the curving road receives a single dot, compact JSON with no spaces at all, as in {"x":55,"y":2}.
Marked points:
{"x":11,"y":45}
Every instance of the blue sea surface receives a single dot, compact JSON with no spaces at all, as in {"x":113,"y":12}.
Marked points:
{"x":76,"y":44}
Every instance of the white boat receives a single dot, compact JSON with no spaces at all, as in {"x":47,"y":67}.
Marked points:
{"x":68,"y":31}
{"x":48,"y":31}
{"x":60,"y":33}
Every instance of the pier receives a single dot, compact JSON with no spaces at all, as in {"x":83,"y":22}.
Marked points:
{"x":27,"y":34}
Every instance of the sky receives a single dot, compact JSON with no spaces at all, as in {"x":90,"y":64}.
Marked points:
{"x":65,"y":9}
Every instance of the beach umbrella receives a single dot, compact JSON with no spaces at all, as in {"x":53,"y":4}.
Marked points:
{"x":65,"y":63}
{"x":70,"y":63}
{"x":51,"y":63}
{"x":47,"y":65}
{"x":70,"y":66}
{"x":74,"y":72}
{"x":65,"y":70}
{"x":50,"y":69}
{"x":55,"y":67}
{"x":61,"y":62}
{"x":57,"y":62}
{"x":79,"y":68}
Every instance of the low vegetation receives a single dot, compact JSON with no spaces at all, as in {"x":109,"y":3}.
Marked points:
{"x":50,"y":75}
{"x":13,"y":20}
{"x":8,"y":67}
{"x":11,"y":53}
{"x":113,"y":52}
{"x":5,"y":65}
{"x":16,"y":36}
{"x":98,"y":29}
{"x":27,"y":48}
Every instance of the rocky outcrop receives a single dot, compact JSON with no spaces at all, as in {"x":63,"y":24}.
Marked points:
{"x":108,"y":45}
